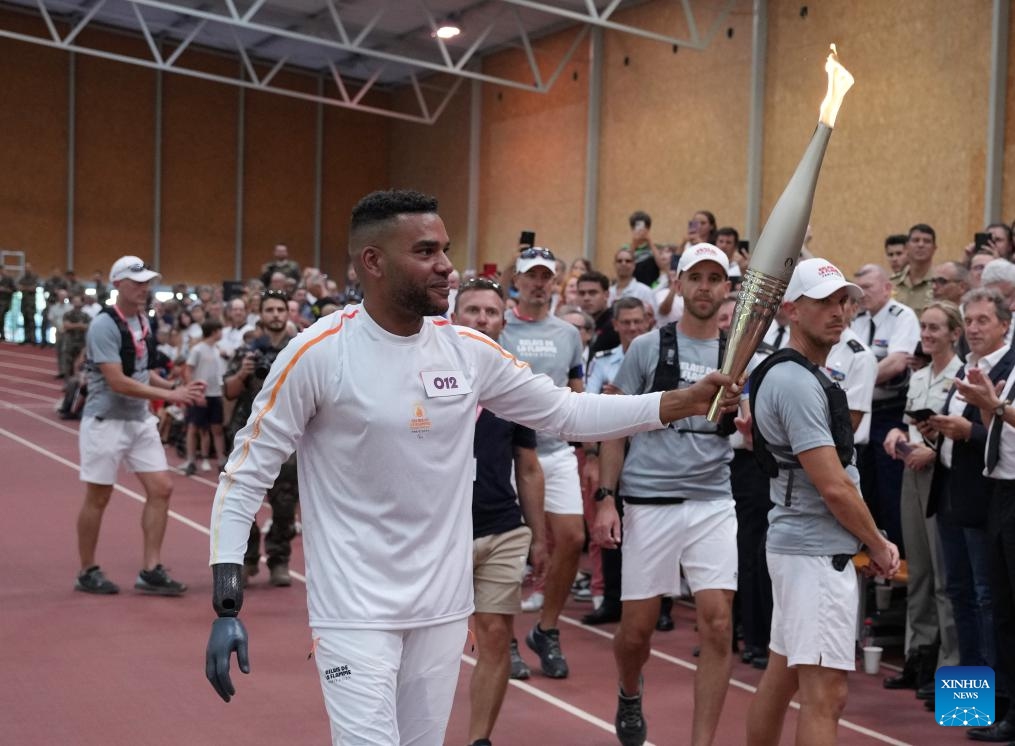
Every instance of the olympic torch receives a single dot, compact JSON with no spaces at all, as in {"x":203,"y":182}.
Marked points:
{"x":778,"y":248}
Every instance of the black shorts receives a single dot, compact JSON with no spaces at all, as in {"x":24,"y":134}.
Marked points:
{"x":210,"y":414}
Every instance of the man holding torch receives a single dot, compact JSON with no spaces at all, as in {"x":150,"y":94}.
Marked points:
{"x":803,"y":438}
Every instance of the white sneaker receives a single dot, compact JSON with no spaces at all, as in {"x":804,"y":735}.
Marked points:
{"x":205,"y":465}
{"x":533,"y":602}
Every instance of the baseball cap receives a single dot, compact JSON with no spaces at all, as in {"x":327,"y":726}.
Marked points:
{"x":535,"y":257}
{"x":703,"y":252}
{"x":817,"y":279}
{"x":131,"y":268}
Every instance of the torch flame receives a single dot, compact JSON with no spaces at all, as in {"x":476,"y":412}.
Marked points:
{"x":839,"y":82}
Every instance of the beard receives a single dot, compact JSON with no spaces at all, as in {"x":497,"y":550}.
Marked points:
{"x":417,"y":301}
{"x":691,"y":308}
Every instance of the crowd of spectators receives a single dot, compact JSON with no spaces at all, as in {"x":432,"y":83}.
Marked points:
{"x":922,"y":322}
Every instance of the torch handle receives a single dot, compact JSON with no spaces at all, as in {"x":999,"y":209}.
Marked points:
{"x":714,"y":411}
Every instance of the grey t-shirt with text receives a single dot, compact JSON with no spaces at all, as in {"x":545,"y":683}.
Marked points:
{"x":550,"y":346}
{"x":102,"y":345}
{"x":673,"y":462}
{"x":792,"y":413}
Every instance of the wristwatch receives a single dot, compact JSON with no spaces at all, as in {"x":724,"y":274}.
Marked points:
{"x":602,"y":493}
{"x":1000,"y":408}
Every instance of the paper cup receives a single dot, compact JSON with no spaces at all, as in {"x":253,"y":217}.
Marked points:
{"x":872,"y":660}
{"x":883,"y":596}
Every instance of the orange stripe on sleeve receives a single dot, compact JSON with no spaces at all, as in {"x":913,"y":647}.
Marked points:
{"x":503,"y":353}
{"x":256,"y":429}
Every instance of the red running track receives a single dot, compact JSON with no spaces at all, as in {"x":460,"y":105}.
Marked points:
{"x":129,"y":669}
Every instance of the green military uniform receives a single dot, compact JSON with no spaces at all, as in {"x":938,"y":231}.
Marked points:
{"x":284,"y":495}
{"x":27,"y":285}
{"x":915,"y":295}
{"x":73,"y":340}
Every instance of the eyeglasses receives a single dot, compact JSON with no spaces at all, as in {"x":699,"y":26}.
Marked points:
{"x":480,"y":283}
{"x":537,"y":253}
{"x":940,"y":280}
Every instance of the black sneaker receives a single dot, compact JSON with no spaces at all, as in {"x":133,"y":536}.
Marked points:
{"x":546,"y":644}
{"x":158,"y":583}
{"x":93,"y":581}
{"x":519,"y":668}
{"x":632,"y":730}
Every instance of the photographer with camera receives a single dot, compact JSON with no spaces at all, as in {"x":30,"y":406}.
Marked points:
{"x":242,"y":382}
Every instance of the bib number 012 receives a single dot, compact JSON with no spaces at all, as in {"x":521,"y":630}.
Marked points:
{"x":442,"y":383}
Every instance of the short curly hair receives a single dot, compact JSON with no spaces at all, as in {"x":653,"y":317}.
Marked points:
{"x":379,"y":207}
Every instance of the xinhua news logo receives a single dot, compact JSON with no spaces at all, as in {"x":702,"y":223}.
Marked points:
{"x":964,"y":696}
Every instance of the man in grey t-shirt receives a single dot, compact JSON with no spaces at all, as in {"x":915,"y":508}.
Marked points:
{"x":553,"y":347}
{"x":117,"y":427}
{"x":819,"y":520}
{"x":678,"y":507}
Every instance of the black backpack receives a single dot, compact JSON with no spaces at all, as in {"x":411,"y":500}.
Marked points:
{"x":841,"y":425}
{"x":667,"y":376}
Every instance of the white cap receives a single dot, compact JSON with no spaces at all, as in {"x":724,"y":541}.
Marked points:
{"x":539,"y":258}
{"x":817,"y":279}
{"x":131,"y":268}
{"x":703,"y":252}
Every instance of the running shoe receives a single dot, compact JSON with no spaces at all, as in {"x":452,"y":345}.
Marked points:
{"x":157,"y":582}
{"x":93,"y":581}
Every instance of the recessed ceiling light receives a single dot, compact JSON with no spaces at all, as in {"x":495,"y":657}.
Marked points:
{"x":447,"y":31}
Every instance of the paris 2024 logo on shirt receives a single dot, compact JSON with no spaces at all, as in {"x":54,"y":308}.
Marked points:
{"x":964,"y":696}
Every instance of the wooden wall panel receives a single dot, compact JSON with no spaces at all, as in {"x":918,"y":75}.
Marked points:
{"x":33,"y":147}
{"x":1008,"y":162}
{"x":434,"y":159}
{"x":674,"y":126}
{"x":280,"y":149}
{"x":114,"y":170}
{"x":199,"y":177}
{"x":356,"y":150}
{"x":533,"y":154}
{"x":910,"y":140}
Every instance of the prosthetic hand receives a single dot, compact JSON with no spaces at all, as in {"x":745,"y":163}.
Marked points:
{"x":227,"y":632}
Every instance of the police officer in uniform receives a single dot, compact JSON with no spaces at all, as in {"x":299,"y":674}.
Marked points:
{"x":802,"y":436}
{"x":892,"y":331}
{"x":242,"y":382}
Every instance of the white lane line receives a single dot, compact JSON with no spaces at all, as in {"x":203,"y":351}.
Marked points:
{"x":18,"y":392}
{"x":29,"y":368}
{"x":32,"y":382}
{"x":525,"y":687}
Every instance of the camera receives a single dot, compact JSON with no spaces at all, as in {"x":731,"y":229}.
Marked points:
{"x":263,"y":360}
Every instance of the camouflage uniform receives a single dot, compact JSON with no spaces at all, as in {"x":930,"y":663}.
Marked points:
{"x":73,"y":340}
{"x":27,"y":285}
{"x":284,"y":495}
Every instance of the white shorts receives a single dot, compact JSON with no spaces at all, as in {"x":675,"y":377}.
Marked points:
{"x":699,"y":536}
{"x":563,"y":494}
{"x":390,"y":687}
{"x":104,"y":444}
{"x":815,"y":610}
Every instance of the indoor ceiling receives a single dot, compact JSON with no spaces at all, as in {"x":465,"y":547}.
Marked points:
{"x":358,"y":45}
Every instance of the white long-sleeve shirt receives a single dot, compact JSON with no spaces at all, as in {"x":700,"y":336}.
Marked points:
{"x":383,"y":428}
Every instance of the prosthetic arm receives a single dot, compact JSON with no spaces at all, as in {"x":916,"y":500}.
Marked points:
{"x":227,"y":632}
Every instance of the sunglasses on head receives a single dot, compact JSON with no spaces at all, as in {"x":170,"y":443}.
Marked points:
{"x":537,"y":253}
{"x":278,"y":294}
{"x":480,"y":283}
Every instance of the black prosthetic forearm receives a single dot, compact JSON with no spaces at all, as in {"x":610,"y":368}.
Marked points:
{"x":227,"y":589}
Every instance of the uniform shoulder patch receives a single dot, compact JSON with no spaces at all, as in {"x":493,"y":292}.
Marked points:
{"x":855,"y":345}
{"x":603,"y":353}
{"x":896,"y":309}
